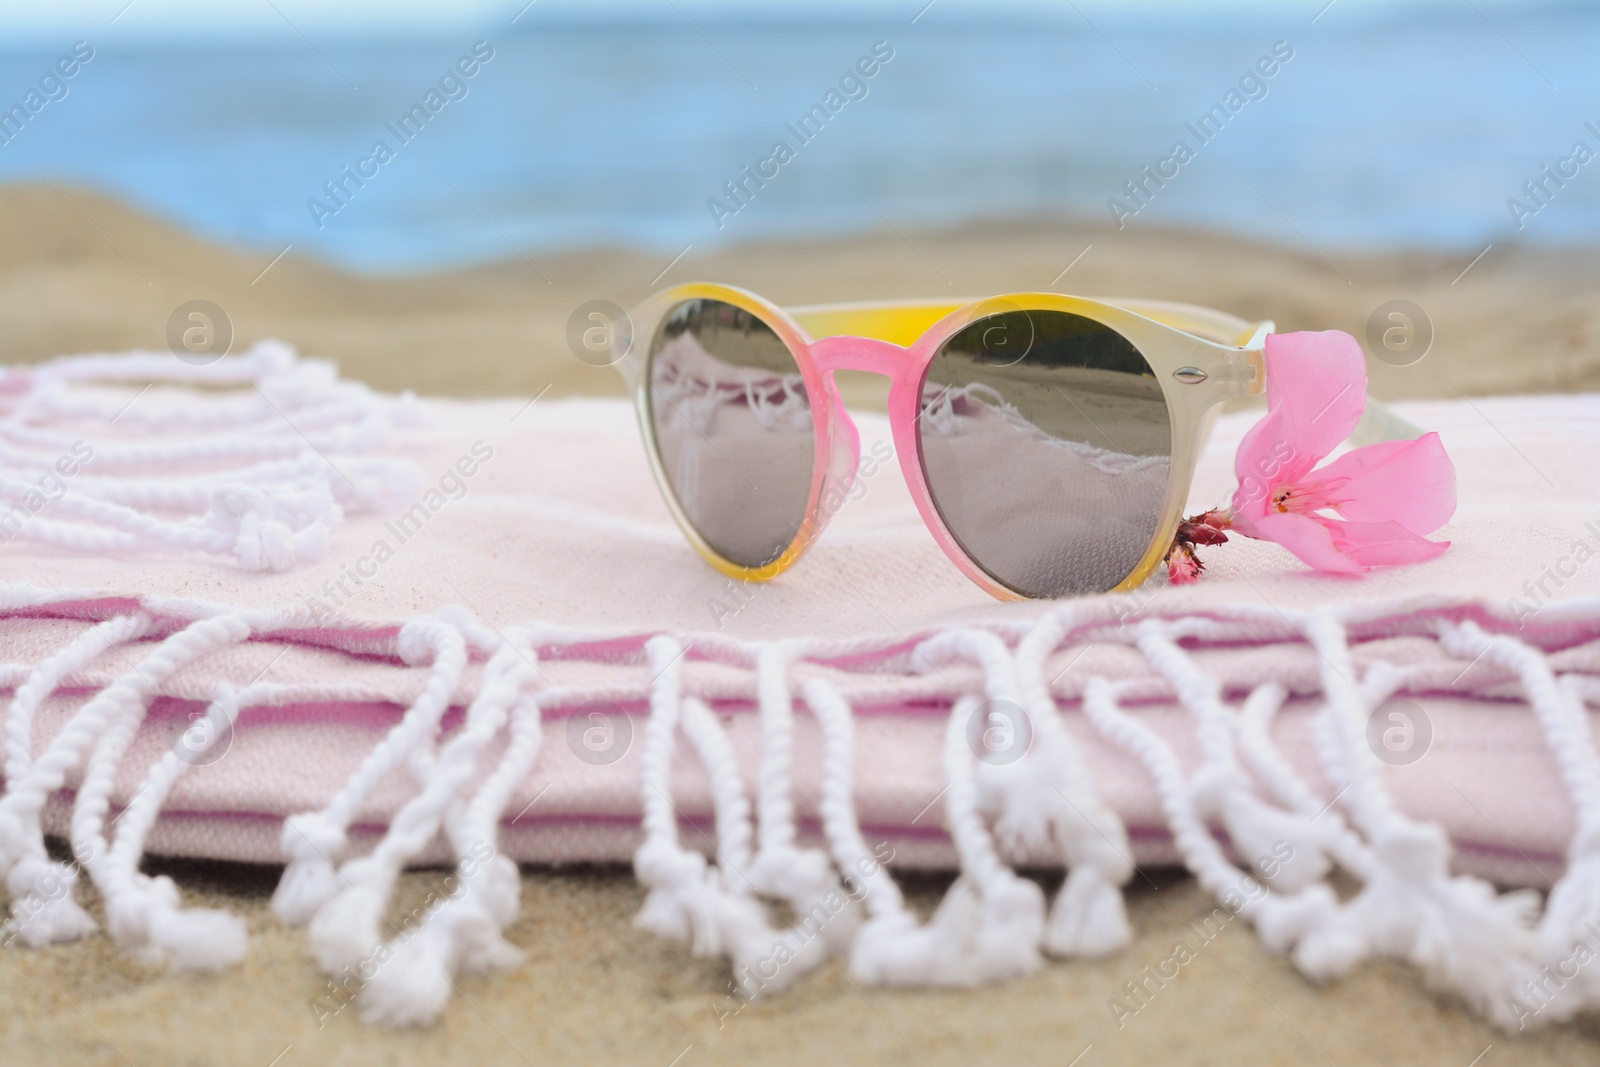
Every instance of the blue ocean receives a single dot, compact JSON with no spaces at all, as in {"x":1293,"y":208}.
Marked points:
{"x":1423,"y":127}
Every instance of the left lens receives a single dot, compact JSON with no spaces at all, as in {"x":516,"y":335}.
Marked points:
{"x":733,"y":429}
{"x":1047,"y":445}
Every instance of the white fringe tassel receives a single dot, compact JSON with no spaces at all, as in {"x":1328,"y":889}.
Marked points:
{"x":262,"y":473}
{"x":1500,"y":954}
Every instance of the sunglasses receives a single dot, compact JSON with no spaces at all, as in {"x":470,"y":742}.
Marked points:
{"x":1048,"y":441}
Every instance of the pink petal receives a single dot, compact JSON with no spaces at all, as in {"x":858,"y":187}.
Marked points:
{"x":1259,"y":464}
{"x":1183,"y":569}
{"x":1306,"y":536}
{"x":1342,"y":547}
{"x":1412,"y":483}
{"x":1382,"y":544}
{"x":1319,"y":382}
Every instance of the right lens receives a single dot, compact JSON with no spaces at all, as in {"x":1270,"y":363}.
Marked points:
{"x":733,"y":428}
{"x":1047,"y":444}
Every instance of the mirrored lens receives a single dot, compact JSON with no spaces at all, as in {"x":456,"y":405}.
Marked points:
{"x":1047,"y":446}
{"x":733,"y":429}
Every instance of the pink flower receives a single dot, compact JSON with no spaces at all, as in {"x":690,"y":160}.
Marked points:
{"x":1388,"y":495}
{"x":1184,"y":567}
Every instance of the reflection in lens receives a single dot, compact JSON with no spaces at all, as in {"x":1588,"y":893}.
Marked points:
{"x":1049,"y":470}
{"x":733,"y":428}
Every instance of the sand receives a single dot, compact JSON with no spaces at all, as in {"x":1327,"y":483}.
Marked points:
{"x":82,"y":273}
{"x":79,"y":272}
{"x":595,"y":991}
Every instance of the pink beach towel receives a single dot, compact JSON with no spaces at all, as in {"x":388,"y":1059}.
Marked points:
{"x":289,"y":619}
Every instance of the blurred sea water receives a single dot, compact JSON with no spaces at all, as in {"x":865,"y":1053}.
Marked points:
{"x":1415,"y":128}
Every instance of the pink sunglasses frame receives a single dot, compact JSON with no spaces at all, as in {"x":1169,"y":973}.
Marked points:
{"x":1201,"y":358}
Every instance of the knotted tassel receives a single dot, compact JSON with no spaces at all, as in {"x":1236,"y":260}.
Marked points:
{"x":465,"y":937}
{"x":316,"y":841}
{"x":143,"y":911}
{"x":144,"y":915}
{"x":826,"y":915}
{"x":1088,"y":919}
{"x":312,"y":842}
{"x":348,"y":928}
{"x":976,"y":937}
{"x":1327,"y":940}
{"x":688,"y":900}
{"x":673,"y":877}
{"x":1569,"y":932}
{"x":1569,"y":937}
{"x":888,"y":923}
{"x":147,"y":920}
{"x":43,"y":908}
{"x":1055,"y":798}
{"x":413,"y":986}
{"x":763,"y":958}
{"x":1465,"y":938}
{"x":989,"y":926}
{"x":1285,"y":848}
{"x":493,"y":883}
{"x":1282,"y":848}
{"x":1283,"y":921}
{"x":671,"y":874}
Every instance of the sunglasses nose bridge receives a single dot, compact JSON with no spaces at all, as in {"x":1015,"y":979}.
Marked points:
{"x":860,"y":354}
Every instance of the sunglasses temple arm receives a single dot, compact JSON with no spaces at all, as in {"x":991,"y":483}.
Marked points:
{"x":1245,"y":365}
{"x":1381,"y":422}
